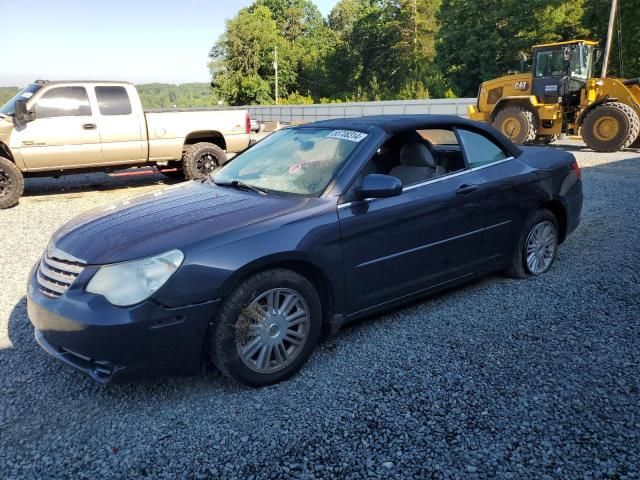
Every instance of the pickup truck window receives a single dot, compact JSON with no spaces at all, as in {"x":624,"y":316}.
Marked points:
{"x":63,"y":102}
{"x":26,"y":93}
{"x":113,"y":100}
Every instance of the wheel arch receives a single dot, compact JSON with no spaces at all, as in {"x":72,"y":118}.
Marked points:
{"x":5,"y":152}
{"x":559,"y":211}
{"x":525,"y":101}
{"x":302,"y":266}
{"x":211,"y":136}
{"x":592,"y":107}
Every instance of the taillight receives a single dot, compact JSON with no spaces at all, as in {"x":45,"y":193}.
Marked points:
{"x":576,"y":168}
{"x":247,"y":125}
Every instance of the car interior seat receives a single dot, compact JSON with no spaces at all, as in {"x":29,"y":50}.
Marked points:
{"x":416,"y":164}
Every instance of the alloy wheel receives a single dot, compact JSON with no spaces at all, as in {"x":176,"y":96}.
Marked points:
{"x":272,"y":331}
{"x":540,"y":247}
{"x":206,"y":163}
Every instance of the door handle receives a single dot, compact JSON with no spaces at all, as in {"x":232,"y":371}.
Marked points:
{"x":89,"y":126}
{"x":466,"y":189}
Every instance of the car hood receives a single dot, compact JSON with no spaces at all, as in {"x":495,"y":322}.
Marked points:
{"x":174,"y":217}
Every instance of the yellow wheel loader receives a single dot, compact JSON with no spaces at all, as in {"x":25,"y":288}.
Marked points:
{"x":560,"y":96}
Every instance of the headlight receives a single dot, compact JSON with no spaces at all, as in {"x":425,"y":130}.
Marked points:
{"x":128,"y":283}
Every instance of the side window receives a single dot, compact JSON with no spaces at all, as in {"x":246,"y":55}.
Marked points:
{"x":63,"y":102}
{"x":549,"y":63}
{"x":417,"y":156}
{"x":479,"y":149}
{"x":113,"y":100}
{"x":439,"y":136}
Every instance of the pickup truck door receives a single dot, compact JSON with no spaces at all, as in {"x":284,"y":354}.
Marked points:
{"x":64,"y":133}
{"x":121,"y":124}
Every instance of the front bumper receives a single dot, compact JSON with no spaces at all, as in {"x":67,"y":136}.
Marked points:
{"x":113,"y":344}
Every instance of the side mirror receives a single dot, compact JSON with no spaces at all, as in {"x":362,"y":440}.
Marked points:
{"x":379,"y":186}
{"x":22,"y":115}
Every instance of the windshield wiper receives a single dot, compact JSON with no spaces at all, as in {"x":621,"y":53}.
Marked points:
{"x":239,"y":185}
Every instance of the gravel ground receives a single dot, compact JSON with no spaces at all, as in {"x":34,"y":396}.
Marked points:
{"x":502,"y":378}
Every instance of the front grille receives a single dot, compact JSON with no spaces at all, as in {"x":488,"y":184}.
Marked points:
{"x":55,"y":275}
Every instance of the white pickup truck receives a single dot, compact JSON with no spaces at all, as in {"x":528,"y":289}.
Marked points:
{"x":56,"y":128}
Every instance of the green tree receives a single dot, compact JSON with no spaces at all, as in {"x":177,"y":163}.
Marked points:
{"x":242,"y":60}
{"x":6,"y":93}
{"x":625,"y":37}
{"x":477,"y":41}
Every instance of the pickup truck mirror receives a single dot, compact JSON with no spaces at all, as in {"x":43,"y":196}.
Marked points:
{"x":22,"y":115}
{"x":375,"y":185}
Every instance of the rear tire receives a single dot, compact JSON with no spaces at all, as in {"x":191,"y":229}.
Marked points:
{"x":610,"y":127}
{"x":11,"y":183}
{"x":267,"y":328}
{"x":538,"y":240}
{"x":516,"y":123}
{"x":202,"y":159}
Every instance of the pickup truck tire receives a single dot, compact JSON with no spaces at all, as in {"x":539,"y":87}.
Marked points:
{"x":11,"y":183}
{"x":201,"y":159}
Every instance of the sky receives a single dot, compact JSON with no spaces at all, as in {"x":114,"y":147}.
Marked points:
{"x":136,"y":40}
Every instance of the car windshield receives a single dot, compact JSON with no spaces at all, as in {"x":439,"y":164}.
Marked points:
{"x":299,"y":161}
{"x":26,"y":93}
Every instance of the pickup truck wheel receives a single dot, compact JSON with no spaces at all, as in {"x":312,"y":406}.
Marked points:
{"x":267,"y":328}
{"x":11,"y":183}
{"x":201,"y":159}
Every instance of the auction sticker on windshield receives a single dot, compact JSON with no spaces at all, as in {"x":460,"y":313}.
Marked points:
{"x":348,"y":135}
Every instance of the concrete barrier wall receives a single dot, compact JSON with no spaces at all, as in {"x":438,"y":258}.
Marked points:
{"x":311,"y":113}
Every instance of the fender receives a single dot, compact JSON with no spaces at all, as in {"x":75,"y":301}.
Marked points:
{"x":526,"y":100}
{"x":586,"y":110}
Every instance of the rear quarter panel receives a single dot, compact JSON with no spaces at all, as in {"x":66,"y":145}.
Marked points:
{"x":516,"y":188}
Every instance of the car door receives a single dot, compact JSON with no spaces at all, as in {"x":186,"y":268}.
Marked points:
{"x":429,"y":235}
{"x":507,"y":187}
{"x":64,"y":133}
{"x":122,"y":127}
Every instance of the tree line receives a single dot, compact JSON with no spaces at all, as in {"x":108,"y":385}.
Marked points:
{"x":400,"y":49}
{"x":158,"y":95}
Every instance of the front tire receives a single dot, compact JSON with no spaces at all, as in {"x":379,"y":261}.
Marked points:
{"x":516,"y":123}
{"x":267,"y":328}
{"x":202,"y":159}
{"x":537,"y":245}
{"x":11,"y":183}
{"x":610,"y":127}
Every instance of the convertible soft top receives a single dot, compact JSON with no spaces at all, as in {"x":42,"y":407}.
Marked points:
{"x":398,"y":123}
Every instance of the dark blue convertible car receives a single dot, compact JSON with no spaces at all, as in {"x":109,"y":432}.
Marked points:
{"x":313,"y":227}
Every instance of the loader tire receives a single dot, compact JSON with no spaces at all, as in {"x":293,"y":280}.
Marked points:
{"x":610,"y":127}
{"x":516,"y":123}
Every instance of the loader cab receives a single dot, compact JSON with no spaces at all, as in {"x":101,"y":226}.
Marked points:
{"x":560,"y":71}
